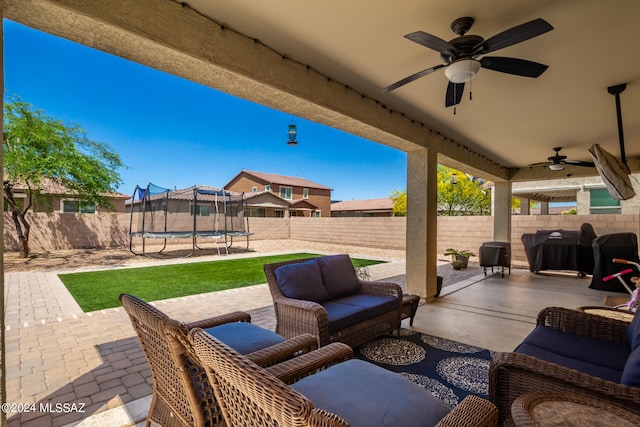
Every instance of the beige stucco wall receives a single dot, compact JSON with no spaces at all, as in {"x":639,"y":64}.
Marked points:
{"x":53,"y":231}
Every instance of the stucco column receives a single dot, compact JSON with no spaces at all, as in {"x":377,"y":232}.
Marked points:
{"x":583,"y":201}
{"x":544,"y":208}
{"x":502,"y":211}
{"x":524,"y":206}
{"x":422,"y":223}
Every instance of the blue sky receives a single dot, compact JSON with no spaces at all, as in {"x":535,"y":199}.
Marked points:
{"x":176,"y":133}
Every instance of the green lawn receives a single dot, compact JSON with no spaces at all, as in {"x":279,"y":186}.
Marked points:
{"x":97,"y":290}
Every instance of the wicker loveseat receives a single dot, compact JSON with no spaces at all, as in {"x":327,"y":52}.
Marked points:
{"x":349,"y":393}
{"x":573,"y":352}
{"x":325,"y":298}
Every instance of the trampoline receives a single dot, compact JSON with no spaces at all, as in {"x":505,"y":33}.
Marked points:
{"x":198,"y":213}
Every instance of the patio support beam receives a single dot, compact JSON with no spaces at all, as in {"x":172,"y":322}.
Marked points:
{"x":524,"y":206}
{"x":422,"y":223}
{"x":502,"y":211}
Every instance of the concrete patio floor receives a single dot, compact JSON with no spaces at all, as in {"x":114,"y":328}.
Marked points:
{"x":57,"y":353}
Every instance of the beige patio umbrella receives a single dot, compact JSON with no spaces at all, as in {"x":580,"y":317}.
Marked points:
{"x":613,"y":172}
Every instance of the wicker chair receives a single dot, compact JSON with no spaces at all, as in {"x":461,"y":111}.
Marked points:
{"x":250,"y":395}
{"x":181,"y":395}
{"x":298,"y":316}
{"x":514,"y":374}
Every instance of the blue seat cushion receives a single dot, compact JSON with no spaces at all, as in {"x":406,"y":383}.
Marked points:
{"x":585,"y":367}
{"x":338,"y":275}
{"x":342,"y":316}
{"x":631,"y":372}
{"x":595,"y":357}
{"x":245,"y":337}
{"x":633,"y":333}
{"x":375,"y":305}
{"x":302,"y":280}
{"x":367,"y":395}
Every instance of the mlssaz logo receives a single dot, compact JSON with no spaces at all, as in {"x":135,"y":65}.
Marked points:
{"x":555,"y":235}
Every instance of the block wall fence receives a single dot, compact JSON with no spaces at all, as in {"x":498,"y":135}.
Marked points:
{"x":54,"y":231}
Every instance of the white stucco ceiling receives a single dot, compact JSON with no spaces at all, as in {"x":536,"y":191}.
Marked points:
{"x":512,"y":120}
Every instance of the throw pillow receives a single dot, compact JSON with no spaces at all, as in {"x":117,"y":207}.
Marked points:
{"x":302,"y":280}
{"x":338,"y":275}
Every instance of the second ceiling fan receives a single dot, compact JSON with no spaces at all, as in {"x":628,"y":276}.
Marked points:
{"x":558,"y":161}
{"x":461,"y":55}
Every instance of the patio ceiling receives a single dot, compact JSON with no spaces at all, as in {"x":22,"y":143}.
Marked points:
{"x":328,"y":61}
{"x":514,"y":121}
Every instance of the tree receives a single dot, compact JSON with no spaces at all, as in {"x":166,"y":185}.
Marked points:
{"x":37,"y":147}
{"x":464,"y":197}
{"x":399,"y":202}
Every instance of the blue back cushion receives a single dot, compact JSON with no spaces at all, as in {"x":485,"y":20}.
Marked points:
{"x":633,"y":333}
{"x":302,"y":280}
{"x":631,"y":373}
{"x":338,"y":275}
{"x":245,"y":337}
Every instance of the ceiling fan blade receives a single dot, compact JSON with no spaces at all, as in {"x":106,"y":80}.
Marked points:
{"x":411,"y":78}
{"x":454,"y":94}
{"x":432,"y":42}
{"x":516,"y":66}
{"x":514,"y":35}
{"x":580,"y":163}
{"x":539,"y":164}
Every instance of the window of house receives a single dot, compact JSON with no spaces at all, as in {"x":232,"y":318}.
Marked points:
{"x":267,"y":188}
{"x":368,"y":214}
{"x":293,"y":213}
{"x":285,"y":193}
{"x":257,"y":212}
{"x":254,"y":189}
{"x":278,"y":213}
{"x":305,"y":193}
{"x":201,"y":210}
{"x":358,"y":214}
{"x":76,"y":206}
{"x":601,"y":202}
{"x":317,"y":214}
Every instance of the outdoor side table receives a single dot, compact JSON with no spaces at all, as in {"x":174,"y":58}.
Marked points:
{"x":409,"y":307}
{"x":569,"y":410}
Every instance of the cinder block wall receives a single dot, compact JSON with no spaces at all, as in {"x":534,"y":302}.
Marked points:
{"x":56,"y":231}
{"x":372,"y":232}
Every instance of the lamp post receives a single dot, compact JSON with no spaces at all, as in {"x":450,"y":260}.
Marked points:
{"x":292,"y":134}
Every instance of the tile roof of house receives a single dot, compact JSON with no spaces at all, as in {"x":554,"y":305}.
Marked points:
{"x":293,"y":181}
{"x":51,"y":186}
{"x":384,"y":204}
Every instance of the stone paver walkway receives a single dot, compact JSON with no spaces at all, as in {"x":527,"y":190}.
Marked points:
{"x":55,"y":353}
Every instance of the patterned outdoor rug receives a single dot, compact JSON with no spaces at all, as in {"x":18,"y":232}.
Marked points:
{"x":448,"y":369}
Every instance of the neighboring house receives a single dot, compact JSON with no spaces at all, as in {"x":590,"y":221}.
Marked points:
{"x":266,"y":204}
{"x":306,"y":198}
{"x":363,"y":208}
{"x":54,"y":197}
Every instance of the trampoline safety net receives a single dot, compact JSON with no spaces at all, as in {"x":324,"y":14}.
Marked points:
{"x":198,"y":212}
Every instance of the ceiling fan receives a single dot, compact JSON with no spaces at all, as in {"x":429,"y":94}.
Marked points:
{"x":460,"y":55}
{"x":557,"y":162}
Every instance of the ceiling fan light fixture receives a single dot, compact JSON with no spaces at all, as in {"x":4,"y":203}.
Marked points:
{"x":556,"y":166}
{"x":462,"y":70}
